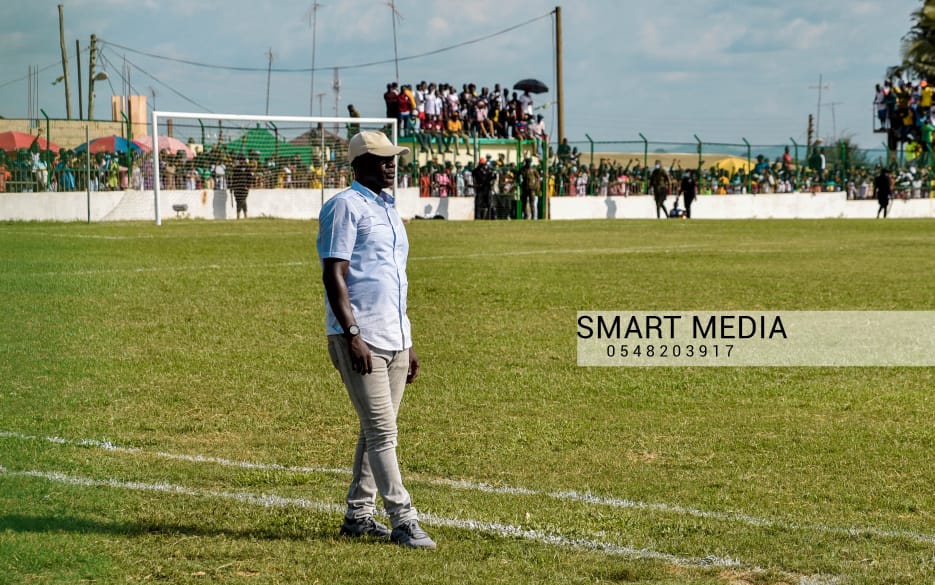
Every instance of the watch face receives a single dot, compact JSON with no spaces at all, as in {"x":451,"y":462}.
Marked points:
{"x":353,"y":330}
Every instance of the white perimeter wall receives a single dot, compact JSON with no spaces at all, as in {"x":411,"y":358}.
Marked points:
{"x":306,"y":204}
{"x":205,"y":204}
{"x":773,"y":206}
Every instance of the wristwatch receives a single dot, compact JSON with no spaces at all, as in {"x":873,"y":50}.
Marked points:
{"x":352,"y":331}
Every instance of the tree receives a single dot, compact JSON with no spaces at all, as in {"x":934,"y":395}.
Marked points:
{"x":919,"y":43}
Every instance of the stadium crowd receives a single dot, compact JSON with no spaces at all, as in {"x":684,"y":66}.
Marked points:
{"x":441,"y":117}
{"x":26,"y":171}
{"x":904,"y":113}
{"x":442,"y":120}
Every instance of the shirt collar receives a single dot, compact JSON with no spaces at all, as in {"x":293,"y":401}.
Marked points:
{"x":382,"y":197}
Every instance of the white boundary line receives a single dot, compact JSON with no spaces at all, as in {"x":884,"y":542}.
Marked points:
{"x":494,"y":528}
{"x":568,"y":496}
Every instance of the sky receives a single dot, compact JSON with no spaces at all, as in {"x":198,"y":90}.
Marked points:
{"x":721,"y":70}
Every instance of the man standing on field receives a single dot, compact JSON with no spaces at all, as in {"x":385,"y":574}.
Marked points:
{"x":883,"y":190}
{"x":363,"y":249}
{"x":659,"y":184}
{"x":241,"y":181}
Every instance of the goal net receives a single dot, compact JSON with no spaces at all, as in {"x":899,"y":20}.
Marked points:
{"x":191,"y":156}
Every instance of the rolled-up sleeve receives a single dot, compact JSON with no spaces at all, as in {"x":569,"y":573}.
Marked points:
{"x":337,"y":230}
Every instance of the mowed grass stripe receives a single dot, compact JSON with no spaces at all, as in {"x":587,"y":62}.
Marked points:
{"x":492,"y":528}
{"x":469,"y":256}
{"x":571,"y":496}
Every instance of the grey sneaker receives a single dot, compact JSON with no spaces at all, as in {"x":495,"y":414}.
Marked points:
{"x":355,"y":528}
{"x":411,"y":534}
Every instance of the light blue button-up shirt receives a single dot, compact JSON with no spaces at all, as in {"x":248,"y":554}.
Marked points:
{"x":364,"y":228}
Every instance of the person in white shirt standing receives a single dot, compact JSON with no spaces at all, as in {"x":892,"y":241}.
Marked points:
{"x":363,"y":249}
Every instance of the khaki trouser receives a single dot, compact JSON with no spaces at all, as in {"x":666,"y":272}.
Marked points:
{"x":376,"y":398}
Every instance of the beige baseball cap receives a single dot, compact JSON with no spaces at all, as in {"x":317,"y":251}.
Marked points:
{"x":373,"y":142}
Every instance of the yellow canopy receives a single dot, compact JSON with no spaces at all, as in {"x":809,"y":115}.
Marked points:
{"x":732,"y":164}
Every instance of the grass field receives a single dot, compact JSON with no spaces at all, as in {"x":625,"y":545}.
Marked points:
{"x":168,"y":412}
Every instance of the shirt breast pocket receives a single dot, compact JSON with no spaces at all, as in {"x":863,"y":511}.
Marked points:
{"x":373,"y":227}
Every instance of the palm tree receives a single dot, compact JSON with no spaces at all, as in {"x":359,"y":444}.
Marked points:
{"x":919,"y":43}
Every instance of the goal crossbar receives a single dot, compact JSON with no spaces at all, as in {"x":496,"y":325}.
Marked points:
{"x":158,"y":115}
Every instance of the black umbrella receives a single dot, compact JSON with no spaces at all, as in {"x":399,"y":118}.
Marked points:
{"x":531,"y":85}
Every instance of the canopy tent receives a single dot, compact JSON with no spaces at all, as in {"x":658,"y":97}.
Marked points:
{"x":169,"y":143}
{"x":732,"y":164}
{"x":262,"y":142}
{"x":112,"y":143}
{"x":13,"y":141}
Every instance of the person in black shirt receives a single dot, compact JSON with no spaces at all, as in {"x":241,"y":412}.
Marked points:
{"x":688,"y":190}
{"x":883,"y":190}
{"x":240,"y":182}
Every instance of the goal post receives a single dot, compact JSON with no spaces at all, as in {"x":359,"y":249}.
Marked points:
{"x":196,"y":150}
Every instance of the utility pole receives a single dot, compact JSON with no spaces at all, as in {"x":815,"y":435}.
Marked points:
{"x":321,"y":95}
{"x":61,"y":37}
{"x":91,"y":74}
{"x":820,"y":87}
{"x":269,"y":73}
{"x":396,"y":14}
{"x":559,"y":87}
{"x":336,"y":85}
{"x":78,"y":62}
{"x":810,"y":136}
{"x":312,"y":15}
{"x":834,"y":126}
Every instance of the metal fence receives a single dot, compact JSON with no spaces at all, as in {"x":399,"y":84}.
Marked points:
{"x":588,"y":167}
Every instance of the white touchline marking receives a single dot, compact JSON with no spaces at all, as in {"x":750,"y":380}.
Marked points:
{"x":495,"y":528}
{"x":572,"y":496}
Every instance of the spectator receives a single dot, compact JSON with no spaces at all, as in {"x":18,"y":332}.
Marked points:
{"x":879,"y":102}
{"x":352,"y":128}
{"x":925,"y":99}
{"x":454,"y":132}
{"x":659,"y":184}
{"x":525,"y":103}
{"x":468,"y":179}
{"x":407,"y":103}
{"x":241,"y":182}
{"x":220,"y":175}
{"x":530,"y":184}
{"x":442,"y":181}
{"x":483,"y":186}
{"x":883,"y":190}
{"x":926,"y":135}
{"x":582,"y":180}
{"x":421,"y":89}
{"x":688,"y":190}
{"x":391,"y":98}
{"x":481,"y":111}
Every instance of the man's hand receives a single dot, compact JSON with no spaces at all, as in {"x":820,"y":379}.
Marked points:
{"x":361,"y":357}
{"x":413,"y":366}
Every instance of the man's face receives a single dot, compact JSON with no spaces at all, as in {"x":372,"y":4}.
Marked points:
{"x":376,"y":171}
